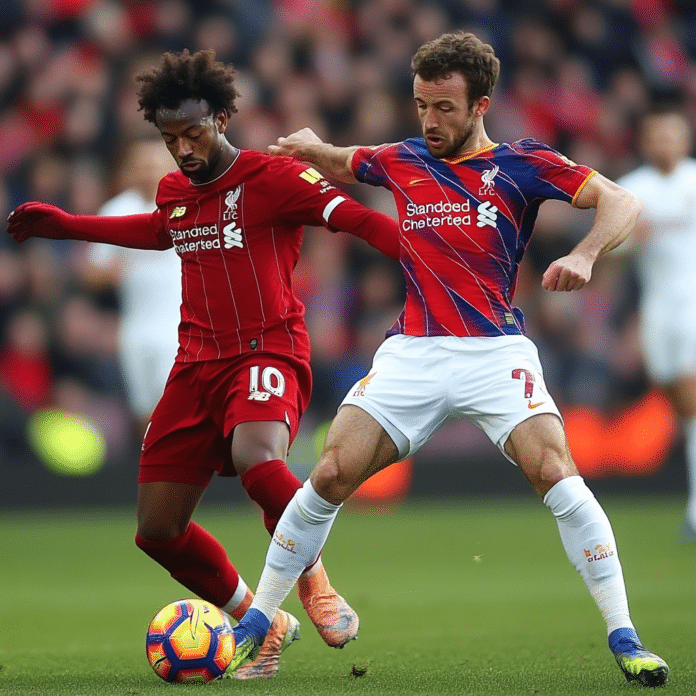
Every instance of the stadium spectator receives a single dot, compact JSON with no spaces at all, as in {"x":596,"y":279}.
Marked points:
{"x":26,"y":373}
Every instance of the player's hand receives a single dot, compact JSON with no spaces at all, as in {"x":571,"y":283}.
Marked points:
{"x":294,"y":144}
{"x":568,"y":273}
{"x":36,"y":219}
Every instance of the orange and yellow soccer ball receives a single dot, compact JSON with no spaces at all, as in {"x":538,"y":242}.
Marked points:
{"x":190,"y":641}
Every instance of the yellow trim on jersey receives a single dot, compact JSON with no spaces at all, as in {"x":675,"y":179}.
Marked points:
{"x":582,"y":186}
{"x":458,"y":160}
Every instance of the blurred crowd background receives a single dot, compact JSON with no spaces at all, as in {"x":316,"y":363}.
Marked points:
{"x":575,"y":74}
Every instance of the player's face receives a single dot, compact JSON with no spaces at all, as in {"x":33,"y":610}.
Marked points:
{"x":195,"y":138}
{"x":447,"y":122}
{"x":665,"y":140}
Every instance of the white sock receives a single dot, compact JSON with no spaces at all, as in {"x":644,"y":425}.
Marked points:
{"x":589,"y":542}
{"x":237,"y":597}
{"x":690,"y":447}
{"x":297,"y":541}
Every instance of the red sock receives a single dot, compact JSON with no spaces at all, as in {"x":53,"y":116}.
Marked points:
{"x":198,"y":561}
{"x":272,"y":485}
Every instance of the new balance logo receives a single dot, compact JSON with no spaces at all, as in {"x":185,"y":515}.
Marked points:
{"x":487,"y":215}
{"x":259,"y":395}
{"x":179,"y":211}
{"x":232,"y":235}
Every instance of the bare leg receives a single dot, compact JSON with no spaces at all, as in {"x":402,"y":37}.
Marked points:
{"x":192,"y":556}
{"x":356,"y":448}
{"x":538,"y":446}
{"x":682,"y":394}
{"x":165,"y":509}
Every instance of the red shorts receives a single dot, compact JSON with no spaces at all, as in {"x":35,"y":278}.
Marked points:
{"x":189,"y":435}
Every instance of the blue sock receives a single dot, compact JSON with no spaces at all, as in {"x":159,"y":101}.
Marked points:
{"x":623,"y":640}
{"x":254,"y":622}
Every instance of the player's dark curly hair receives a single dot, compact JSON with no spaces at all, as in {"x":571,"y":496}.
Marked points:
{"x":460,"y":52}
{"x":182,"y":76}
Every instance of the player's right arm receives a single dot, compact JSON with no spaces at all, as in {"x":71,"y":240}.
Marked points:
{"x":34,"y":219}
{"x":306,"y":146}
{"x":617,"y":210}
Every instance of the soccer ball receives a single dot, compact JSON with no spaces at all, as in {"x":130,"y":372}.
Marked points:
{"x":190,"y":641}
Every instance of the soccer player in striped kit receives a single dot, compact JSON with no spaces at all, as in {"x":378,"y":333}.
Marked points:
{"x":467,"y":208}
{"x":241,"y":377}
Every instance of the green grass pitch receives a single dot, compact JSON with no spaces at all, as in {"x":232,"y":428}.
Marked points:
{"x":472,"y":597}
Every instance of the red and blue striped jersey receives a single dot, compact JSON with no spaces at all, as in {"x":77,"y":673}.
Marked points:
{"x":464,"y":225}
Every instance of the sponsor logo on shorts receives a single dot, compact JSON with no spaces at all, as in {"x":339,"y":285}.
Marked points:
{"x":259,"y":396}
{"x":536,"y":405}
{"x":360,"y":387}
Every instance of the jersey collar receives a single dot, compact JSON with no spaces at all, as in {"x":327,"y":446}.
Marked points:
{"x":470,"y":155}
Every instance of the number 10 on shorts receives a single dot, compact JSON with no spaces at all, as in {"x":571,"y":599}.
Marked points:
{"x":271,"y":382}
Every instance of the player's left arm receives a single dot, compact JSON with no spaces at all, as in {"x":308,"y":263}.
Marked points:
{"x":616,"y":213}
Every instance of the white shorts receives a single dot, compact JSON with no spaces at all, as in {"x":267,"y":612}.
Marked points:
{"x":668,"y":337}
{"x":417,"y":384}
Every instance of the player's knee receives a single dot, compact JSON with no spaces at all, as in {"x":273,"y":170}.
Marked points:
{"x":552,"y":466}
{"x":156,"y":532}
{"x":331,"y":480}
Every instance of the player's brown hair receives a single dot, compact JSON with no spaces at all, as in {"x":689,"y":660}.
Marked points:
{"x":460,"y":52}
{"x":182,"y":76}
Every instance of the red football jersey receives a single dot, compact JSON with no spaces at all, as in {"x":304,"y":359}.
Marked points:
{"x":239,"y":239}
{"x":465,"y":225}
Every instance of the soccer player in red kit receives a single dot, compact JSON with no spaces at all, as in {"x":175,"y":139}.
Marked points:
{"x":241,"y":379}
{"x":467,"y":208}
